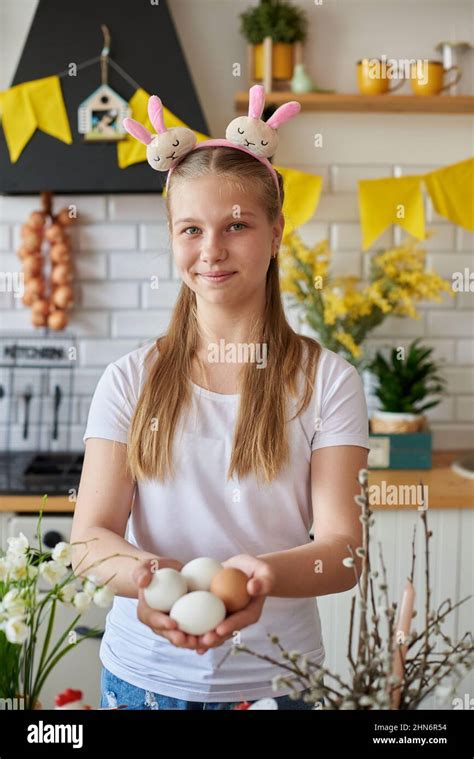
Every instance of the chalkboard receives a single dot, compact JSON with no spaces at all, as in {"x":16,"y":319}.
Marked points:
{"x":145,"y":44}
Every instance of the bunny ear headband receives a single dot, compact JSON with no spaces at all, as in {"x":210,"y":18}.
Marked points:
{"x":250,"y":134}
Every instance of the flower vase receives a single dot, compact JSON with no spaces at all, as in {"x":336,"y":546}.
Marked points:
{"x":301,"y":81}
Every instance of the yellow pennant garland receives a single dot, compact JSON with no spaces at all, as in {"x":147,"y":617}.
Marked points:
{"x":452,"y":192}
{"x":302,"y":193}
{"x":33,"y":105}
{"x":39,"y":104}
{"x":383,"y":202}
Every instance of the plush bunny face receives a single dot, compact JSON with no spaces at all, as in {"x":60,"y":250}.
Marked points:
{"x":253,"y":134}
{"x":167,"y":148}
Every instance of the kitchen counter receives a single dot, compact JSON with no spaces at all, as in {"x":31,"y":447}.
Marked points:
{"x":446,"y":489}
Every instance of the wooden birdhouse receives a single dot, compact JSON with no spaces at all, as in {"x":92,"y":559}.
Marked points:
{"x":101,"y":115}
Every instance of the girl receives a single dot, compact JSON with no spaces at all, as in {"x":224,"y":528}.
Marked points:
{"x":232,"y":459}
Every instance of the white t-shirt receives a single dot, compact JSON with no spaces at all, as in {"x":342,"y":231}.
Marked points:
{"x":199,"y":513}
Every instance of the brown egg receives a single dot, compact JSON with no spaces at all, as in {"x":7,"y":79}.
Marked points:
{"x":59,"y":253}
{"x":57,"y":320}
{"x":55,"y":233}
{"x":61,"y":274}
{"x":63,"y":296}
{"x":230,"y":585}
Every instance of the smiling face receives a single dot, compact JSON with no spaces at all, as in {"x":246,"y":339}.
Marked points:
{"x":217,"y":227}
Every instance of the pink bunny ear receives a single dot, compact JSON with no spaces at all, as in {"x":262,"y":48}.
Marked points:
{"x":155,"y":112}
{"x":284,"y":113}
{"x":137,"y":130}
{"x":256,"y":101}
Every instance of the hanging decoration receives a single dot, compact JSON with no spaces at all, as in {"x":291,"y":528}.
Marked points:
{"x":101,"y":114}
{"x":33,"y":105}
{"x":40,"y":104}
{"x":49,"y":293}
{"x":383,"y":202}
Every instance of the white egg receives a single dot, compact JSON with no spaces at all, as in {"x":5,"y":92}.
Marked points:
{"x":198,"y":612}
{"x":166,"y":586}
{"x":199,"y":573}
{"x":265,"y":703}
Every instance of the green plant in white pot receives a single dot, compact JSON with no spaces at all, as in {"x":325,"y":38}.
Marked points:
{"x":285,"y":23}
{"x":406,"y":388}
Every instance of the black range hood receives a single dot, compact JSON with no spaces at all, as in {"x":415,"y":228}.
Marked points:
{"x":145,"y":44}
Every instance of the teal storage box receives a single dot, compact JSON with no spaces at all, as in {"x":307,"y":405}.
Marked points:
{"x":405,"y":450}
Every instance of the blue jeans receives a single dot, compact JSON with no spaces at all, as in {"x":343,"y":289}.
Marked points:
{"x":115,"y":691}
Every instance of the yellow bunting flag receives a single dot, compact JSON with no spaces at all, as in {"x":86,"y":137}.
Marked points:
{"x":302,"y":193}
{"x":130,"y":150}
{"x":452,"y":191}
{"x":383,"y":202}
{"x":33,"y":105}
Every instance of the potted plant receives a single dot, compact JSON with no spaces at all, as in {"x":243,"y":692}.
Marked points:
{"x":403,"y":389}
{"x":285,"y":24}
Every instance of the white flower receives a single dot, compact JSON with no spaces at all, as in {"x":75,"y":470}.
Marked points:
{"x":52,"y":571}
{"x":4,"y":569}
{"x":82,"y":601}
{"x":18,"y":545}
{"x":103,"y":597}
{"x":18,"y":566}
{"x":67,"y":593}
{"x":13,"y":603}
{"x":32,"y":571}
{"x":62,"y":553}
{"x":15,"y":630}
{"x":90,"y":585}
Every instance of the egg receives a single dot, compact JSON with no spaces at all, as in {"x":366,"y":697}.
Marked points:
{"x":199,"y":572}
{"x":230,"y":585}
{"x":164,"y":589}
{"x":198,"y":612}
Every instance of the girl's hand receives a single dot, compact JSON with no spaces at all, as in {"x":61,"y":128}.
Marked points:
{"x":159,"y":621}
{"x":261,"y":581}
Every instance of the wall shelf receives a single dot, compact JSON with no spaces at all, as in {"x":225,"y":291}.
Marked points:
{"x":337,"y":102}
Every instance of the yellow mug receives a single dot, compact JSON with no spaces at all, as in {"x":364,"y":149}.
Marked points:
{"x":427,"y":77}
{"x":374,"y":76}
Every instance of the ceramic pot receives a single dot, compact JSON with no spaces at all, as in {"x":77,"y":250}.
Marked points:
{"x":394,"y":422}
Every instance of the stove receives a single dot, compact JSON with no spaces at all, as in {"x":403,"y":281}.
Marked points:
{"x":29,"y":473}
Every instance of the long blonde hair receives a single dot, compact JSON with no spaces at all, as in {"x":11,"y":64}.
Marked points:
{"x":260,"y":444}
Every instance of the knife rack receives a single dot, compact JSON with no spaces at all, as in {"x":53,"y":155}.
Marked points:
{"x":42,"y":360}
